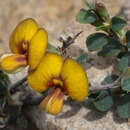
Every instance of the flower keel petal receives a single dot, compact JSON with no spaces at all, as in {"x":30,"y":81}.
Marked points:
{"x":53,"y":103}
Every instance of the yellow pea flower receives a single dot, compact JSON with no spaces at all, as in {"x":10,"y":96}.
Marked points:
{"x":28,"y":43}
{"x":61,"y":76}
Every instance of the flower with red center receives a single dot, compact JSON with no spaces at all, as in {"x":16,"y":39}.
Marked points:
{"x":28,"y":43}
{"x":61,"y":76}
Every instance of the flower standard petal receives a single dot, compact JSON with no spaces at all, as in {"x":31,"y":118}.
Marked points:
{"x":49,"y":67}
{"x":37,"y":48}
{"x":22,"y":34}
{"x":12,"y":63}
{"x":75,"y":79}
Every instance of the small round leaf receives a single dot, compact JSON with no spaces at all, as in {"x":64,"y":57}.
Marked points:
{"x":124,"y":62}
{"x":123,"y":107}
{"x":96,"y":41}
{"x":104,"y":101}
{"x":83,"y":58}
{"x":111,"y":49}
{"x":125,"y":84}
{"x":118,"y":23}
{"x":86,"y":16}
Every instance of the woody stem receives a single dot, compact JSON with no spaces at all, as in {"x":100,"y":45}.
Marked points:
{"x":14,"y":87}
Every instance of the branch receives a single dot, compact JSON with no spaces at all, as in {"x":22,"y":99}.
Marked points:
{"x":69,"y":41}
{"x":107,"y":86}
{"x":32,"y":101}
{"x":13,"y":88}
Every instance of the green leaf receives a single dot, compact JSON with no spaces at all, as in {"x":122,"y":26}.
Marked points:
{"x":112,"y":49}
{"x":118,"y":23}
{"x":104,"y":101}
{"x":86,"y":16}
{"x":128,"y":38}
{"x":109,"y":79}
{"x":96,"y":41}
{"x":52,"y":49}
{"x":123,"y":107}
{"x":125,"y":84}
{"x":83,"y":58}
{"x":124,"y":62}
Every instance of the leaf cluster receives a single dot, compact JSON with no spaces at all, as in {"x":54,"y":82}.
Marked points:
{"x":111,"y":39}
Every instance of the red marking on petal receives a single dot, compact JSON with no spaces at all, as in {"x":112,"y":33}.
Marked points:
{"x":22,"y":59}
{"x":21,"y":49}
{"x":61,"y":95}
{"x":51,"y":84}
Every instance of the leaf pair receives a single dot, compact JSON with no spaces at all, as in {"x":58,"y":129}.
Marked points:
{"x":109,"y":46}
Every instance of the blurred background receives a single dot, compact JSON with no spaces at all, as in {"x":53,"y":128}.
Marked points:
{"x":53,"y":15}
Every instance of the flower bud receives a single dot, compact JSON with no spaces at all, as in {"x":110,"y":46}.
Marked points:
{"x":12,"y":63}
{"x":102,"y":11}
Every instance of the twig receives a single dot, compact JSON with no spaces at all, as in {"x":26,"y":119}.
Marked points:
{"x":13,"y":88}
{"x":107,"y":86}
{"x":32,"y":101}
{"x":102,"y":87}
{"x":69,"y":41}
